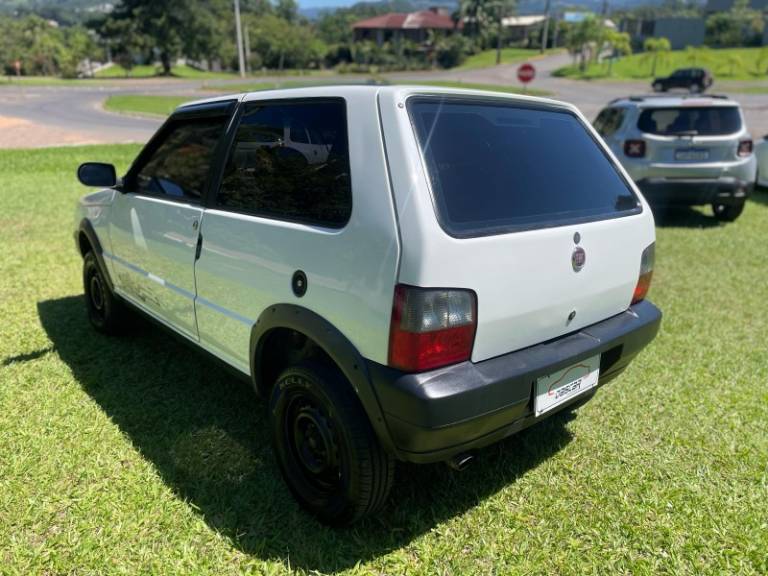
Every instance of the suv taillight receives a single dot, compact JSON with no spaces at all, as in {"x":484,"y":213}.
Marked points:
{"x":431,"y":327}
{"x":745,"y":148}
{"x":634,"y":148}
{"x":646,"y":273}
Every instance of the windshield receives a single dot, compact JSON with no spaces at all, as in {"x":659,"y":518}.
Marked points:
{"x":497,"y":167}
{"x":697,"y":121}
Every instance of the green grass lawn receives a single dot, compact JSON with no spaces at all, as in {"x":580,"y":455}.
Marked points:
{"x":149,"y":70}
{"x":145,"y":104}
{"x":134,"y":455}
{"x":729,"y":63}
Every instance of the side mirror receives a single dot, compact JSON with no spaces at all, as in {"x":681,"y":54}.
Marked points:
{"x":97,"y":174}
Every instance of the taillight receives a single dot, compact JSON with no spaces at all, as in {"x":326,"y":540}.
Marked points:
{"x":745,"y":148}
{"x":634,"y":148}
{"x":646,"y":273}
{"x":431,"y":327}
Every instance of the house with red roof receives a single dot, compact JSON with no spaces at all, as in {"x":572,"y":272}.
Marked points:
{"x":413,"y":26}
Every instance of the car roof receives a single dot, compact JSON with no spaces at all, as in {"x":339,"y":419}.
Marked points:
{"x":374,"y":90}
{"x":674,"y":101}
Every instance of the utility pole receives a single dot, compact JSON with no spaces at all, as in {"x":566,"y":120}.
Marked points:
{"x":239,"y":31}
{"x":545,"y":33}
{"x":247,"y":38}
{"x":501,"y":29}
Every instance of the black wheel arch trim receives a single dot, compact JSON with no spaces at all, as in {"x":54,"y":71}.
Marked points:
{"x":87,"y":229}
{"x":335,"y":344}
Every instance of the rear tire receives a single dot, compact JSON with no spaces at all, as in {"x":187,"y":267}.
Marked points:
{"x":695,"y":88}
{"x":728,"y":212}
{"x":105,"y":312}
{"x":658,"y":87}
{"x":326,"y":448}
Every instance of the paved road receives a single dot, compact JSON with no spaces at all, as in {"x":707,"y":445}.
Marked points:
{"x":46,"y":116}
{"x":591,"y":96}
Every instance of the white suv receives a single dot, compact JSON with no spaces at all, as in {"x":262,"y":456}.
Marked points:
{"x":460,"y":266}
{"x":684,"y":150}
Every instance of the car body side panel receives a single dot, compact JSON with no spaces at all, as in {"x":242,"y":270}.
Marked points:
{"x":247,"y":262}
{"x":96,"y":209}
{"x":153,"y":254}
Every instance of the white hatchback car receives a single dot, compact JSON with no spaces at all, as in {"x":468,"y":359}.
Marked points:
{"x":460,"y":266}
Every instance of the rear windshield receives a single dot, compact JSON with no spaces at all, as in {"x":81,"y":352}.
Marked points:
{"x":495,"y":167}
{"x":699,"y":120}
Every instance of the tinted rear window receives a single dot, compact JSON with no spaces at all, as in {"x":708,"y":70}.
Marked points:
{"x":495,"y":167}
{"x":699,"y":120}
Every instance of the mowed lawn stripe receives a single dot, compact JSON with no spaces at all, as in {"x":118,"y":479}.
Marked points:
{"x":134,"y":455}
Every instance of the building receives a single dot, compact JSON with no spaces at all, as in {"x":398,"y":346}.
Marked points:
{"x":681,"y":32}
{"x":521,"y":29}
{"x":413,"y":26}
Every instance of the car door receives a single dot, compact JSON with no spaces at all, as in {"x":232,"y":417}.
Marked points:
{"x":156,"y":219}
{"x":275,"y":214}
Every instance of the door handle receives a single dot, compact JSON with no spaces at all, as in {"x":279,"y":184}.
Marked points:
{"x":194,"y":224}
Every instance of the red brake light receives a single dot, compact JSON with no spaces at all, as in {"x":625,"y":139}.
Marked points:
{"x":646,"y":273}
{"x":634,"y":148}
{"x":431,"y":327}
{"x":745,"y":148}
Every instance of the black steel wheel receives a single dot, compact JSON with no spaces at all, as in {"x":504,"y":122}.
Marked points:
{"x":325,"y":445}
{"x":104,"y":310}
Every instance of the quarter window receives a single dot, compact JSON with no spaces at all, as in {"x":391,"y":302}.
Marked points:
{"x":180,"y":163}
{"x":298,"y":178}
{"x":609,"y":121}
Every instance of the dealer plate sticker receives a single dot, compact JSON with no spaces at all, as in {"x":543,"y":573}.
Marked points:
{"x":566,"y":384}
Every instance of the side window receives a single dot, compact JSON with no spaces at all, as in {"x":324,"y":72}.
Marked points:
{"x":609,"y":121}
{"x":272,"y":178}
{"x":179,"y":166}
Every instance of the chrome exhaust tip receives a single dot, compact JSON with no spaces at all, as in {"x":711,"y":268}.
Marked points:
{"x":460,"y":461}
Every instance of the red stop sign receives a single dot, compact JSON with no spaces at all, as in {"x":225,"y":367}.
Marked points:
{"x":526,"y":72}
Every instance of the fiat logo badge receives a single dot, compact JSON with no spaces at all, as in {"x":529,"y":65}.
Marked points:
{"x":578,"y":258}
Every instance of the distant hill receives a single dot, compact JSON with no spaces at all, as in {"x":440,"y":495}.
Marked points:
{"x":63,"y":11}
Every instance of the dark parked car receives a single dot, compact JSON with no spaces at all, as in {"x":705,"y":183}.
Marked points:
{"x":692,"y":79}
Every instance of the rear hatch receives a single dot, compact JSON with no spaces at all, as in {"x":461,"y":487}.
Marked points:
{"x":688,"y":141}
{"x":524,"y":191}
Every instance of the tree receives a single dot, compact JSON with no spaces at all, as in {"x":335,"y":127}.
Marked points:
{"x":585,"y":39}
{"x":620,"y":43}
{"x":287,"y":10}
{"x":656,"y":47}
{"x":739,"y":26}
{"x":172,"y":28}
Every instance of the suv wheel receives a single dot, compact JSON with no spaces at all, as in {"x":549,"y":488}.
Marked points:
{"x":695,"y":88}
{"x":325,"y":446}
{"x":104,"y":310}
{"x":658,"y":87}
{"x":728,"y":212}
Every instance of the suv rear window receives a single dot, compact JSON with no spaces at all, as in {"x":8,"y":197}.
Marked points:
{"x":496,"y":167}
{"x":698,"y":120}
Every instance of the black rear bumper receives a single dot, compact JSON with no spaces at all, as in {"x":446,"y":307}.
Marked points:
{"x":434,"y":415}
{"x":695,"y":191}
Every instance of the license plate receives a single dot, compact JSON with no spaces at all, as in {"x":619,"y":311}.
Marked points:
{"x":566,"y":384}
{"x":691,"y":154}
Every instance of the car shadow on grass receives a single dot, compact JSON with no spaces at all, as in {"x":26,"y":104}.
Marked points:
{"x":207,"y":435}
{"x":682,"y":217}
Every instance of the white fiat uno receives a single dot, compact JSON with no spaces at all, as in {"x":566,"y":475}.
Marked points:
{"x":404,"y":273}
